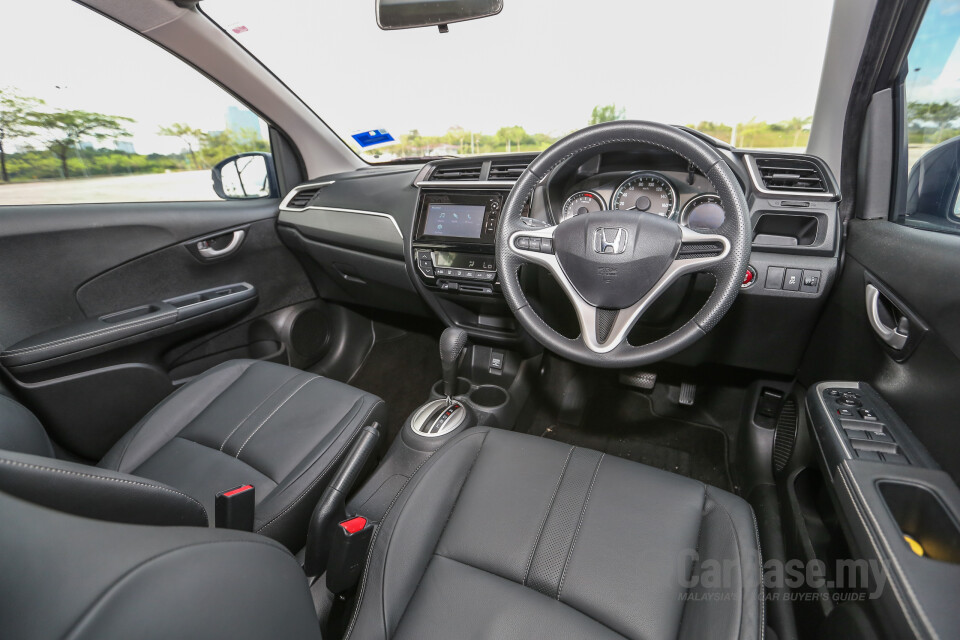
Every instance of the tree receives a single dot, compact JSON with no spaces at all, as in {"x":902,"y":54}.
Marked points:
{"x":67,"y":127}
{"x":939,"y":113}
{"x":606,"y":113}
{"x":15,"y":113}
{"x":188,"y":135}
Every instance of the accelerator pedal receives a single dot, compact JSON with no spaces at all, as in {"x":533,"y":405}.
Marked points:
{"x":639,"y":380}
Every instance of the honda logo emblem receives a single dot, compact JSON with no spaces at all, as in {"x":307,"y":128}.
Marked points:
{"x":610,"y":240}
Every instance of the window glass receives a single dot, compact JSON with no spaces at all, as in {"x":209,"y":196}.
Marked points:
{"x":932,"y":114}
{"x":96,"y":113}
{"x":518,"y":81}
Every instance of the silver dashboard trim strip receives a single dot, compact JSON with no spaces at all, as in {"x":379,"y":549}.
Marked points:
{"x":362,"y":212}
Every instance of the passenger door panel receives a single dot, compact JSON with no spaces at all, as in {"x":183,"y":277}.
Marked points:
{"x":109,"y":307}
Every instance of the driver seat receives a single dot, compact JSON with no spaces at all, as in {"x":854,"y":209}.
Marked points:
{"x":505,"y":535}
{"x":497,"y":535}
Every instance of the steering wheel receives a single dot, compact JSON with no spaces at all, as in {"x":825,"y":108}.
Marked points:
{"x":612,"y":265}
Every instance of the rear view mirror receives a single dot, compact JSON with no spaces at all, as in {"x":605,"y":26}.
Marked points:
{"x":407,"y":14}
{"x":245,"y":175}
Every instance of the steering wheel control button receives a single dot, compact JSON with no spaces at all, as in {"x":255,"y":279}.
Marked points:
{"x":534,"y":244}
{"x":749,"y":277}
{"x":792,"y":280}
{"x":774,"y":278}
{"x":811,"y":281}
{"x":523,"y":242}
{"x":546,"y":245}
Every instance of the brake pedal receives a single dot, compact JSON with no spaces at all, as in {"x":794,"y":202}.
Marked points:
{"x":687,"y":394}
{"x":639,"y":380}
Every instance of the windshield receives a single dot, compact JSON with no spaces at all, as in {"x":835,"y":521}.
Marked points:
{"x":742,"y":71}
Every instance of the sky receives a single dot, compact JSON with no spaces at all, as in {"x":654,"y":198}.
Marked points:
{"x":541,"y":65}
{"x":934,"y":59}
{"x":74,"y":58}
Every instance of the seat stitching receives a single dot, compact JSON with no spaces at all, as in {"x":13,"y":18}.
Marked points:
{"x":543,"y":523}
{"x":703,"y":507}
{"x":273,"y":413}
{"x":736,"y":536}
{"x":107,"y":478}
{"x":88,"y":612}
{"x":576,"y":534}
{"x":376,"y":533}
{"x":763,"y":599}
{"x":347,"y":419}
{"x":254,"y":410}
{"x":143,"y":422}
{"x":488,"y":572}
{"x":453,"y":507}
{"x":330,"y":467}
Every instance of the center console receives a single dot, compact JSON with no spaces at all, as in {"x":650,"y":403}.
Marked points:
{"x":453,"y":243}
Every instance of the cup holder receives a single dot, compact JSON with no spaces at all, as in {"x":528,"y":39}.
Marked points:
{"x":923,"y":517}
{"x":463,"y":386}
{"x":489,"y":396}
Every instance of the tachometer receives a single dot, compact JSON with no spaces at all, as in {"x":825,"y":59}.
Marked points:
{"x":646,"y":191}
{"x":703,"y":212}
{"x":581,"y":202}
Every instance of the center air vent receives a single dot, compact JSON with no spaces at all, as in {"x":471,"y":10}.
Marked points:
{"x":457,"y":173}
{"x":302,"y":197}
{"x":790,"y":174}
{"x":509,"y":171}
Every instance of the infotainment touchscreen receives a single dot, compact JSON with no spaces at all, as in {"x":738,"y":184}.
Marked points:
{"x":454,"y":220}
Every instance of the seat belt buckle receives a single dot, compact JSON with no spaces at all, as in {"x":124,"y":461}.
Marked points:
{"x":234,"y":508}
{"x":348,"y":553}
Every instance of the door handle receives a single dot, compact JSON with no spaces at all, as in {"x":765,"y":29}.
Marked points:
{"x":881,"y":320}
{"x":206,"y":249}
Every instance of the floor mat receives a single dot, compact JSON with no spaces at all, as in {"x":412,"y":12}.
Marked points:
{"x":621,"y":422}
{"x":400,"y":369}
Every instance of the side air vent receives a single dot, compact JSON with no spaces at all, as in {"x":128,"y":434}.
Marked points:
{"x":457,"y":173}
{"x":507,"y":171}
{"x":302,"y":197}
{"x":790,"y":174}
{"x":785,"y":435}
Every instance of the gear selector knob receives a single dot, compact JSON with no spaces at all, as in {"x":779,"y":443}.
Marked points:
{"x":452,"y":343}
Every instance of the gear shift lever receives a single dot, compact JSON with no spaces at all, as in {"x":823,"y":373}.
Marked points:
{"x":452,"y":343}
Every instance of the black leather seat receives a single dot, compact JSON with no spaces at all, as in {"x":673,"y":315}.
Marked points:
{"x":243,"y":422}
{"x":497,"y":535}
{"x":502,"y":535}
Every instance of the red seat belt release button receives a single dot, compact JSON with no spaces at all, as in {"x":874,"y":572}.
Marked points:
{"x":234,"y":508}
{"x":354,"y":525}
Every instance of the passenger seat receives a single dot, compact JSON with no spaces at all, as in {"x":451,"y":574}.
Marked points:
{"x":279,"y":429}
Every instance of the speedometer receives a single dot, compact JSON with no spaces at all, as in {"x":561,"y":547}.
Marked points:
{"x":581,"y":202}
{"x":646,"y":191}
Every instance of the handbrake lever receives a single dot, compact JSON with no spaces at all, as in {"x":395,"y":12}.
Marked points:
{"x":325,"y":532}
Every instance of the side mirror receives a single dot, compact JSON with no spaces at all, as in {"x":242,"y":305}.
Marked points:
{"x":933,"y":188}
{"x":408,"y":14}
{"x":246,"y":175}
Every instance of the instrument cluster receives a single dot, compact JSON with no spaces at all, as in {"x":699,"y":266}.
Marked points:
{"x":686,"y":197}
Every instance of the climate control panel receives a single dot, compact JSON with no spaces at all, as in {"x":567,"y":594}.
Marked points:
{"x":457,"y":271}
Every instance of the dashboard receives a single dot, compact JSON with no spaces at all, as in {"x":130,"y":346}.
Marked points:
{"x":421,"y":239}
